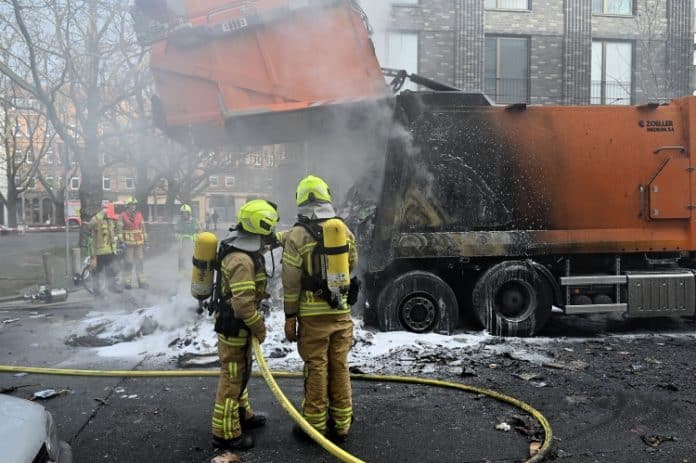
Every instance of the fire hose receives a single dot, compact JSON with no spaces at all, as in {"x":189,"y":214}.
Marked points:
{"x":269,"y":376}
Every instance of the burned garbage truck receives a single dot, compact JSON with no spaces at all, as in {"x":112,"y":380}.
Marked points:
{"x":508,"y":211}
{"x":503,"y":212}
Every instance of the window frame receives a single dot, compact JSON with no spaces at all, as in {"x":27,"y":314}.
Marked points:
{"x":77,"y":180}
{"x":213,"y":183}
{"x":498,"y":37}
{"x":604,"y":11}
{"x":132,"y":181}
{"x":500,"y":8}
{"x":230,"y":184}
{"x":106,"y":180}
{"x":603,"y":82}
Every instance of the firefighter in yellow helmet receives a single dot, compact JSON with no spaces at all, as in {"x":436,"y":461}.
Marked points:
{"x":103,"y":247}
{"x":131,"y":229}
{"x":242,"y":286}
{"x":186,"y":230}
{"x":325,"y":324}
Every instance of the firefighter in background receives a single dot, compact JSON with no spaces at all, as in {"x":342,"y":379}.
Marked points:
{"x":186,"y":230}
{"x":325,"y":324}
{"x":103,"y":247}
{"x":242,"y":288}
{"x":131,"y":229}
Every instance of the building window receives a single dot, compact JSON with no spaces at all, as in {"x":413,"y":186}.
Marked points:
{"x":49,"y":156}
{"x":49,"y":181}
{"x":30,"y":156}
{"x":130,"y":183}
{"x":618,"y":7}
{"x":106,"y":183}
{"x":213,"y":180}
{"x":75,"y":183}
{"x":404,"y":2}
{"x":398,"y":50}
{"x":507,"y":69}
{"x":508,"y":5}
{"x":612,"y":69}
{"x":229,"y":180}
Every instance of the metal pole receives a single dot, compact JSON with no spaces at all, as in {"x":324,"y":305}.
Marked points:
{"x":67,"y":232}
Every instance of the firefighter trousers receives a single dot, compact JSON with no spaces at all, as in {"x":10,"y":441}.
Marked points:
{"x":323,"y":343}
{"x":232,"y":397}
{"x":134,"y":258}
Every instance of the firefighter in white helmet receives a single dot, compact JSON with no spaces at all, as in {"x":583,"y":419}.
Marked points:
{"x":325,"y":325}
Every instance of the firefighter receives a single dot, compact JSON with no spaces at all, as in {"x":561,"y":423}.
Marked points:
{"x":242,"y":287}
{"x":103,"y":247}
{"x":325,"y":324}
{"x":186,"y":230}
{"x":131,"y":227}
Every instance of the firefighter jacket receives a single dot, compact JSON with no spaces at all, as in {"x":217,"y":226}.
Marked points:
{"x":298,"y":258}
{"x":131,"y":228}
{"x":187,"y":229}
{"x":243,"y":288}
{"x":103,"y":235}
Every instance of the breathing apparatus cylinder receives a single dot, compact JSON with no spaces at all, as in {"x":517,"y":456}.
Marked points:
{"x":204,"y":253}
{"x":335,"y":264}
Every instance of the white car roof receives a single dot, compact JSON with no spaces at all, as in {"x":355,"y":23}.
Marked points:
{"x":22,"y":429}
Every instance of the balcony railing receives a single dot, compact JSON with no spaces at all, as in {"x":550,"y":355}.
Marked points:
{"x":507,"y":90}
{"x":610,"y":92}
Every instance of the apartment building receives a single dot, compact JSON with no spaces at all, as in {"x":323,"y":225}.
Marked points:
{"x":546,"y":51}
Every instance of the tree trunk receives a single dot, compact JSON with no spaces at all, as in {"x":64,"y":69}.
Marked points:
{"x":172,"y":191}
{"x":59,"y":207}
{"x":11,"y":208}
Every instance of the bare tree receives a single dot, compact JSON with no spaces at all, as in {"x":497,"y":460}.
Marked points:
{"x":26,"y":138}
{"x":80,"y":59}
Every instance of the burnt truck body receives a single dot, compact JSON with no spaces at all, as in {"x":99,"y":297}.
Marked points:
{"x":508,"y":211}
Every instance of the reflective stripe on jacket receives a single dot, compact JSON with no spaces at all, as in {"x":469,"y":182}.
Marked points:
{"x":244,"y":285}
{"x":103,"y":235}
{"x":132,"y":228}
{"x":298,"y":257}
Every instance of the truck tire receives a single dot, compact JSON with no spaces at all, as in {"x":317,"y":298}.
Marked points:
{"x":419,"y":302}
{"x":512,"y":299}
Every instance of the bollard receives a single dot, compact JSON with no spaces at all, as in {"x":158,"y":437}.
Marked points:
{"x":75,"y":261}
{"x":48,"y":268}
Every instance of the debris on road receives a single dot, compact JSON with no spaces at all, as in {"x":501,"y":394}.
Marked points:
{"x":573,"y":365}
{"x":534,"y":448}
{"x":101,"y":401}
{"x":503,"y":427}
{"x":20,"y":375}
{"x":11,"y":389}
{"x":227,"y":457}
{"x":468,"y":372}
{"x":48,"y":393}
{"x":527,"y":376}
{"x":656,"y":440}
{"x":668,"y":386}
{"x":10,"y":320}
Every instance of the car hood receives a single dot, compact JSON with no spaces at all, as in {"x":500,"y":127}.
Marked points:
{"x":22,"y":429}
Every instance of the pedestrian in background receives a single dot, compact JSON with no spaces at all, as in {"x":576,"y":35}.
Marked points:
{"x":215,"y":218}
{"x":207,"y":220}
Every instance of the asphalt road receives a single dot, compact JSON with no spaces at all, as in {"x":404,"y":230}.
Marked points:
{"x":630,"y":389}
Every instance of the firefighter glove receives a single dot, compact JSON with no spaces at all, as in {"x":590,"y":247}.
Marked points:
{"x":258,"y":329}
{"x":291,"y":328}
{"x":354,"y":290}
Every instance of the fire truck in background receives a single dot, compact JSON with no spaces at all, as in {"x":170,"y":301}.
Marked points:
{"x":500,"y":211}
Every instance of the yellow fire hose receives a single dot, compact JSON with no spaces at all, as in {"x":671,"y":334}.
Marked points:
{"x":270,"y":376}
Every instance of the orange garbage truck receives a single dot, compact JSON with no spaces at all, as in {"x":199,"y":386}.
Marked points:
{"x":499,"y":211}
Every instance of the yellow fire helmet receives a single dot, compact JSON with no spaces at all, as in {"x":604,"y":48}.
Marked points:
{"x":132,"y":200}
{"x":258,"y":217}
{"x":312,"y":188}
{"x":185,"y":208}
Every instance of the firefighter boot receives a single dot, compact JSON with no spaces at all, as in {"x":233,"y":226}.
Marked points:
{"x":242,"y":442}
{"x":252,"y":422}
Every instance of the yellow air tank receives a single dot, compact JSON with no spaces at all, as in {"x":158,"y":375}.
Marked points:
{"x":336,"y":257}
{"x":204,"y":253}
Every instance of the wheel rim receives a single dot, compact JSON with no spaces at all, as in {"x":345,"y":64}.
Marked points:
{"x":515,"y":300}
{"x":418,"y":313}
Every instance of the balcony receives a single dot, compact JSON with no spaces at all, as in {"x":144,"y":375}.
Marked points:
{"x":507,"y":91}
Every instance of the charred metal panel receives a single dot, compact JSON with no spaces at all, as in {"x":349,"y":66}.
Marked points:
{"x":663,"y":294}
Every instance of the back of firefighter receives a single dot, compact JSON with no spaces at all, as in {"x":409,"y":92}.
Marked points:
{"x":103,"y":247}
{"x":186,"y":230}
{"x":325,"y":332}
{"x":243,"y":287}
{"x":131,"y":228}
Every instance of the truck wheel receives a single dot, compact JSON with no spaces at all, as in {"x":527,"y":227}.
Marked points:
{"x":512,"y":299}
{"x":418,"y":302}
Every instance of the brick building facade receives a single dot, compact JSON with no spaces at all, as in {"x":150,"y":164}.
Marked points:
{"x":546,"y":51}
